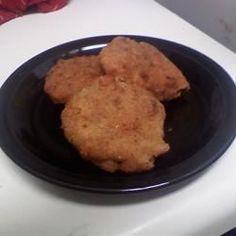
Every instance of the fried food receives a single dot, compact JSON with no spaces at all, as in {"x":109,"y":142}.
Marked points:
{"x":113,"y":115}
{"x":144,"y":65}
{"x":115,"y":125}
{"x":70,"y":76}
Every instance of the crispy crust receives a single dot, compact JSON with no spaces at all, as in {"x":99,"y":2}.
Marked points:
{"x":70,"y":76}
{"x":144,"y":65}
{"x":115,"y":125}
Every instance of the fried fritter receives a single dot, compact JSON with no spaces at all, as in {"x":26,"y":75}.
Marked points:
{"x":144,"y":65}
{"x":116,"y":125}
{"x":71,"y":75}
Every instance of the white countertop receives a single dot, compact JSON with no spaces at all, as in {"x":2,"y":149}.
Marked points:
{"x":32,"y":207}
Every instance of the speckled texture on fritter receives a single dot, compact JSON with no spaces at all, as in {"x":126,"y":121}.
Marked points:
{"x":71,"y":75}
{"x":144,"y":65}
{"x":115,"y":125}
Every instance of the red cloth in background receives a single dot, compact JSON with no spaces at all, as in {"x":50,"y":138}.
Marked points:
{"x":10,"y":9}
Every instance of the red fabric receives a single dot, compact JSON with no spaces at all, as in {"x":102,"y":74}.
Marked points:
{"x":10,"y":9}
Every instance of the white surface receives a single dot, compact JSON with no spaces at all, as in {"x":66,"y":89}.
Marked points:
{"x":216,"y":18}
{"x":31,"y":207}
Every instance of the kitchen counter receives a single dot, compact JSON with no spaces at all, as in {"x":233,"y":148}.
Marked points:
{"x":31,"y":207}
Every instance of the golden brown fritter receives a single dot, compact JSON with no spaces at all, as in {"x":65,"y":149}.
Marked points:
{"x":123,"y":55}
{"x":115,"y":125}
{"x":163,"y":73}
{"x":71,"y":75}
{"x":144,"y":65}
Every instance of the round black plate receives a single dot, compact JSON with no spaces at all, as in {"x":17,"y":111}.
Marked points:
{"x":199,"y":126}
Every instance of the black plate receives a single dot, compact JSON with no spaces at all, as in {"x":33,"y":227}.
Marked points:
{"x":199,"y":126}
